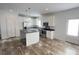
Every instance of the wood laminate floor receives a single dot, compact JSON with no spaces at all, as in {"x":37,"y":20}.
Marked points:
{"x":14,"y":46}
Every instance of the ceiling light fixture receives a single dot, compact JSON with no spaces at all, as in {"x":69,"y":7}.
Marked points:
{"x":46,"y":9}
{"x":10,"y":10}
{"x":28,"y":14}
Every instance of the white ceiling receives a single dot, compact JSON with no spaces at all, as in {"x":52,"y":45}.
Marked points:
{"x":38,"y":8}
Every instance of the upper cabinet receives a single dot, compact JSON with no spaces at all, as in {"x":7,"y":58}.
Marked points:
{"x":3,"y":26}
{"x":49,"y":18}
{"x":9,"y":25}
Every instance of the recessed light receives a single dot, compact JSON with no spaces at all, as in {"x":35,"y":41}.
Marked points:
{"x":46,"y":9}
{"x":10,"y":10}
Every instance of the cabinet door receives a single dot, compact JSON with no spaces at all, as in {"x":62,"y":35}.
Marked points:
{"x":3,"y":26}
{"x":32,"y":38}
{"x":51,"y":20}
{"x":11,"y":25}
{"x":49,"y":34}
{"x":17,"y":27}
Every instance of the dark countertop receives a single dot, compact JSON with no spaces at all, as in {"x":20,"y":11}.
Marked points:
{"x":48,"y":29}
{"x":29,"y":31}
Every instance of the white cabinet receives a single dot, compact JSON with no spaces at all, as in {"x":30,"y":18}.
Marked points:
{"x":32,"y":38}
{"x":51,"y":20}
{"x":9,"y":25}
{"x":3,"y":27}
{"x":49,"y":34}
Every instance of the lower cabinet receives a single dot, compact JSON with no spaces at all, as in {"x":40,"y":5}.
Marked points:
{"x":32,"y":38}
{"x":49,"y":34}
{"x":9,"y":24}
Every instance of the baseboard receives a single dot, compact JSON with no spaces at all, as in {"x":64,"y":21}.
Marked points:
{"x":72,"y":43}
{"x":8,"y":39}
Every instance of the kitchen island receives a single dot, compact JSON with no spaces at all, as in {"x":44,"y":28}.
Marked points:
{"x":48,"y":33}
{"x":30,"y":36}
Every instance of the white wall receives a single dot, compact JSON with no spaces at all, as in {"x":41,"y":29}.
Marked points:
{"x":48,"y":18}
{"x":61,"y":22}
{"x":12,"y":18}
{"x":10,"y":25}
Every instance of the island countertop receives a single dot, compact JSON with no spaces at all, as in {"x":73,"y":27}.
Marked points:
{"x":29,"y":31}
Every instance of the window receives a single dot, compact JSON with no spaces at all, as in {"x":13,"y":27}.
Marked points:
{"x":73,"y":27}
{"x":28,"y":22}
{"x":39,"y":22}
